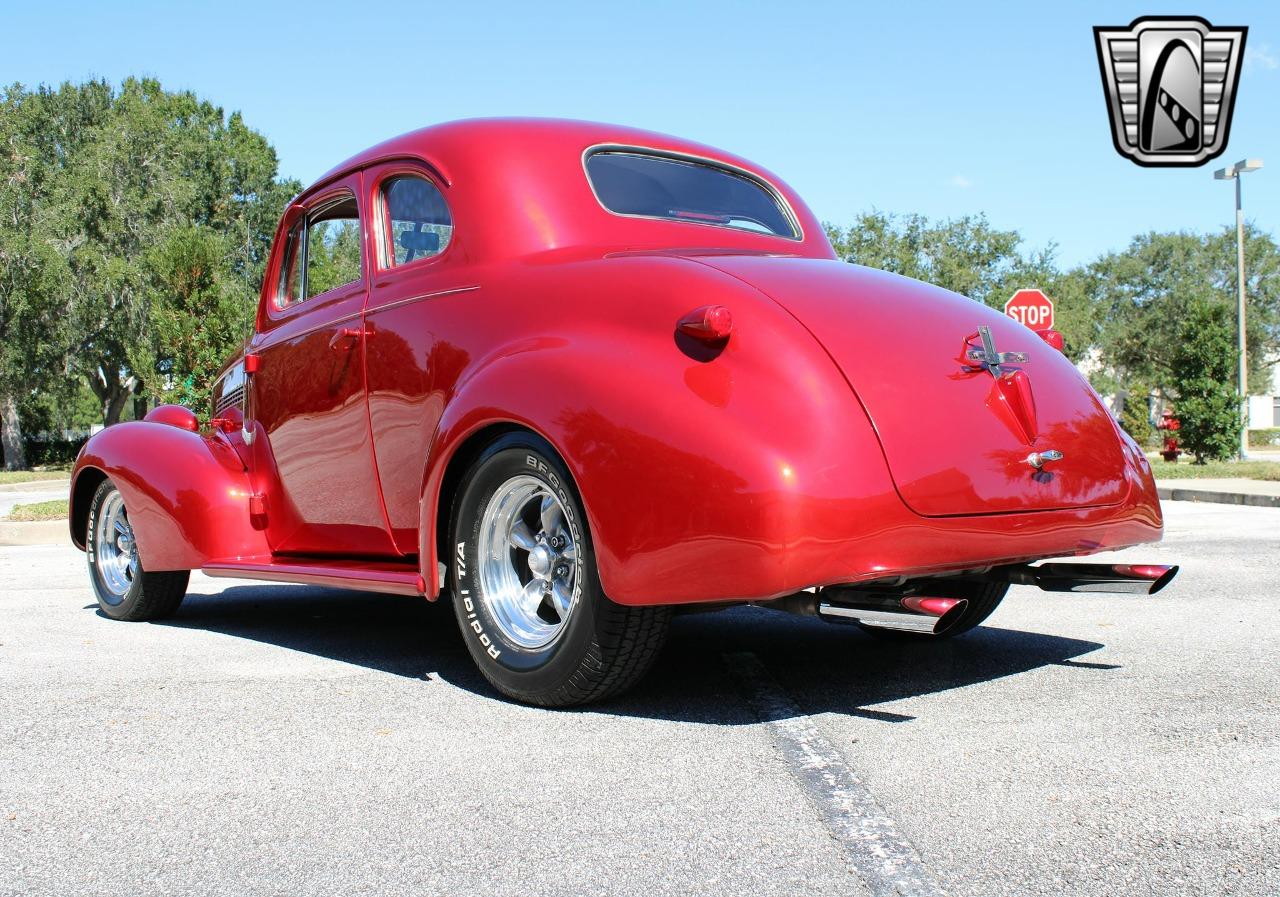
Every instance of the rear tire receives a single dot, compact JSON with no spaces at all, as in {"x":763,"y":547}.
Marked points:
{"x":983,"y":598}
{"x":125,"y":591}
{"x":525,"y":587}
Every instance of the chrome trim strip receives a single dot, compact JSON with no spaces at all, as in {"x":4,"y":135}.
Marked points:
{"x":289,"y":337}
{"x":769,"y":188}
{"x":412,"y":299}
{"x":270,"y":344}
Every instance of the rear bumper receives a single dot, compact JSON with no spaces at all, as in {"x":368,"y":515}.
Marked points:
{"x":822,"y":543}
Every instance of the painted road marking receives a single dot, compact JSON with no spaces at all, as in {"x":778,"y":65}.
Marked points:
{"x":886,"y":861}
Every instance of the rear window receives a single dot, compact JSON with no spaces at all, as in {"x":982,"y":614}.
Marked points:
{"x":650,"y":186}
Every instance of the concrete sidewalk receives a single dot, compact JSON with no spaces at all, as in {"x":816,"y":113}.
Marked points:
{"x":1258,"y":493}
{"x":34,"y":532}
{"x":52,"y":482}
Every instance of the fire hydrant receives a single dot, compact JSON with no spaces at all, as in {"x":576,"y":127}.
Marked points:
{"x":1171,"y":425}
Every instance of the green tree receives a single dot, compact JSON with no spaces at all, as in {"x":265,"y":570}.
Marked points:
{"x":1203,"y":360}
{"x":141,"y":188}
{"x":32,"y":272}
{"x":968,"y":256}
{"x":199,"y":311}
{"x":965,"y":255}
{"x":1135,"y":416}
{"x":1144,"y":295}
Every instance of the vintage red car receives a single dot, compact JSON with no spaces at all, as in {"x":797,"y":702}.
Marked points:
{"x":576,"y":376}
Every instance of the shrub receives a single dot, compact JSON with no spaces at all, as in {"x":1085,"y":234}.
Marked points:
{"x":53,"y":451}
{"x":1135,"y":416}
{"x":1203,"y":366}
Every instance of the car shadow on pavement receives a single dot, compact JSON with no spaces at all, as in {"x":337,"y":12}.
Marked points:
{"x":833,"y":668}
{"x":389,"y":633}
{"x":825,"y":667}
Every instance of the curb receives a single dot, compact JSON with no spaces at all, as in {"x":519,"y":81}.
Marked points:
{"x":33,"y":485}
{"x":1223,"y":498}
{"x":34,"y":532}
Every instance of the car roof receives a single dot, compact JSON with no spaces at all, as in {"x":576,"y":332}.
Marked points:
{"x":521,"y":184}
{"x":495,"y":138}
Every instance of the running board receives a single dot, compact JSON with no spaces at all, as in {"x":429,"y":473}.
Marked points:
{"x":369,"y":576}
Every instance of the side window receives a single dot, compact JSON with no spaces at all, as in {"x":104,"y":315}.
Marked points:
{"x":323,"y":252}
{"x":418,"y":224}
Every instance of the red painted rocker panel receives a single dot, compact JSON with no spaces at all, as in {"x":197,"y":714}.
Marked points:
{"x":370,"y":576}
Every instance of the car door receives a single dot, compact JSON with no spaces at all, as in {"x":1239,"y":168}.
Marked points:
{"x":315,"y":455}
{"x":423,"y":299}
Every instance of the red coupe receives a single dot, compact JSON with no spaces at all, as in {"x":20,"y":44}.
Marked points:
{"x":576,"y":376}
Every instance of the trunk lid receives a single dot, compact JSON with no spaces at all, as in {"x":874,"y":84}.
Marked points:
{"x":957,"y":435}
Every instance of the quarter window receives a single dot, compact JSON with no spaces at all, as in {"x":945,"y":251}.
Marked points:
{"x":322,"y":252}
{"x":418,"y":222}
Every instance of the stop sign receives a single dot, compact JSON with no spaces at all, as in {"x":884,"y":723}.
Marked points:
{"x":1032,"y":308}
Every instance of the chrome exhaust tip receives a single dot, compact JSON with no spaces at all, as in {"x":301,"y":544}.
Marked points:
{"x":917,"y":613}
{"x":1132,"y":579}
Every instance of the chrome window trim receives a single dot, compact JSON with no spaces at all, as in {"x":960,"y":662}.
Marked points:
{"x":305,"y":247}
{"x":690,"y":158}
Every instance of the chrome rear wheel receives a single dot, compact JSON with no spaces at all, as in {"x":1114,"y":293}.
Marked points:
{"x":528,"y":562}
{"x":526,"y":590}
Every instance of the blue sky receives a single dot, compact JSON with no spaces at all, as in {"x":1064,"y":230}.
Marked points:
{"x":942,"y":109}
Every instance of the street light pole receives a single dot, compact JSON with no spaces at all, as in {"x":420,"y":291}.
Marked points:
{"x":1224,"y":174}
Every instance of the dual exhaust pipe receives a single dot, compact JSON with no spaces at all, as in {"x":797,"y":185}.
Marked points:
{"x":1128,"y":579}
{"x":926,"y":615}
{"x":914,"y":613}
{"x":907,"y":609}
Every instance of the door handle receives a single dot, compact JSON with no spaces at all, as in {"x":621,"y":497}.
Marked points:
{"x":345,"y":338}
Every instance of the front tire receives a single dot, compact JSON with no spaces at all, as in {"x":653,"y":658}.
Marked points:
{"x":125,"y":591}
{"x":525,"y":587}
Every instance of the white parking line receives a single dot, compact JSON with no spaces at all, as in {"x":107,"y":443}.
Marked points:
{"x":881,"y":855}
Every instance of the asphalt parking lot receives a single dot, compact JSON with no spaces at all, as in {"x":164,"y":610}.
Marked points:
{"x":278,"y":739}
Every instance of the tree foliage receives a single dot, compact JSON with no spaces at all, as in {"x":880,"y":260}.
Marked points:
{"x":968,"y":256}
{"x":1135,"y":415}
{"x":143,"y":220}
{"x":1145,"y":294}
{"x":1203,"y":358}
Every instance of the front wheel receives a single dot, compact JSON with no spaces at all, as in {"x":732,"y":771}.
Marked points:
{"x":124,"y":590}
{"x":525,"y":587}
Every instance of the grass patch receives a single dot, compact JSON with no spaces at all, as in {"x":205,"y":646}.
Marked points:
{"x":1216,"y":470}
{"x":28,"y":476}
{"x":40,"y":510}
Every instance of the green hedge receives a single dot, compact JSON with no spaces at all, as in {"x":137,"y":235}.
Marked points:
{"x":1260,"y":438}
{"x":53,"y":451}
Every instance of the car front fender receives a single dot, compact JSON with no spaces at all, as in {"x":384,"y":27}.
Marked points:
{"x":186,"y":494}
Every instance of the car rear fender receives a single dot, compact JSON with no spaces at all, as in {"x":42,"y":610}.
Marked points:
{"x":697,"y":474}
{"x":186,"y":493}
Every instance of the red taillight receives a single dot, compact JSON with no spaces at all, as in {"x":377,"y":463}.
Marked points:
{"x":1052,"y":337}
{"x":711,"y":323}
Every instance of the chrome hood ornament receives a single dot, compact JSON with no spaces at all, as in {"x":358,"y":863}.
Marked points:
{"x":1039,"y":459}
{"x":987,"y":357}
